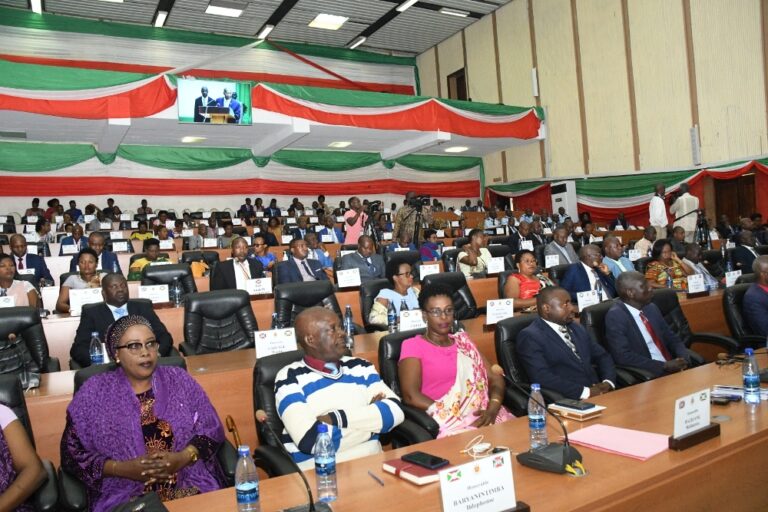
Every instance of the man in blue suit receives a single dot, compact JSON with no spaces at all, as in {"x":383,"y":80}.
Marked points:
{"x":330,"y":229}
{"x":636,"y":332}
{"x":301,"y":230}
{"x":232,"y":104}
{"x":744,"y":254}
{"x":26,"y":262}
{"x":107,"y":260}
{"x":76,"y":239}
{"x":613,"y":259}
{"x":558,"y":353}
{"x":756,"y":299}
{"x":370,"y":265}
{"x":587,"y":273}
{"x":300,"y":269}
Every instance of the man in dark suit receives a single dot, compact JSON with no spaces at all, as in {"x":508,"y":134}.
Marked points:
{"x":299,"y":268}
{"x":744,"y":254}
{"x":330,"y":229}
{"x":560,"y":247}
{"x":370,"y":265}
{"x":76,"y":239}
{"x":301,"y":230}
{"x":203,"y":101}
{"x":636,"y":332}
{"x":558,"y":353}
{"x":26,"y":262}
{"x":587,"y":273}
{"x":756,"y":299}
{"x":232,"y":104}
{"x":725,"y":229}
{"x":97,"y":317}
{"x":233,"y":274}
{"x":107,"y":260}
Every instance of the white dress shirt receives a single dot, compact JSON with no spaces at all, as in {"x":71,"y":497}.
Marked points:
{"x":242,"y":273}
{"x":657,"y":212}
{"x":652,"y":348}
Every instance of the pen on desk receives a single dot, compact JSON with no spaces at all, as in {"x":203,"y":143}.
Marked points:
{"x":379,"y":480}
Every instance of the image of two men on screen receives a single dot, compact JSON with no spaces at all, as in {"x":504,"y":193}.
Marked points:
{"x":228,"y":100}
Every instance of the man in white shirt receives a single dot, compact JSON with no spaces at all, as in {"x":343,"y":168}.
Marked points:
{"x":693,"y":260}
{"x":682,"y":208}
{"x":657,"y":211}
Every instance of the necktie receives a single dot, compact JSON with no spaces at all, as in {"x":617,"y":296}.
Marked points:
{"x":656,"y":340}
{"x":307,"y":269}
{"x":567,"y":339}
{"x":20,"y":266}
{"x":3,"y":292}
{"x":599,"y":286}
{"x":120,"y":312}
{"x":371,"y":267}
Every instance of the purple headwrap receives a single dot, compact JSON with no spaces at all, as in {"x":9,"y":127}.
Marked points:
{"x":117,"y":329}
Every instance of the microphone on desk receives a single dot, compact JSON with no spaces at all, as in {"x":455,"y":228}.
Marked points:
{"x":311,"y":506}
{"x":555,"y":457}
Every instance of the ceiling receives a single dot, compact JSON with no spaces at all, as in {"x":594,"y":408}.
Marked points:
{"x":412,"y":32}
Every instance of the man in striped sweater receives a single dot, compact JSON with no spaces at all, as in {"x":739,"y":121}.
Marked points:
{"x":329,"y":387}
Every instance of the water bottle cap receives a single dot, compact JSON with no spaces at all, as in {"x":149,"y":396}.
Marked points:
{"x":243,"y":449}
{"x":322,"y":428}
{"x":535,"y":387}
{"x":749,"y":352}
{"x":95,"y":333}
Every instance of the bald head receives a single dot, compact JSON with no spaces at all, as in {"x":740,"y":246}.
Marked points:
{"x":627,"y":281}
{"x":319,"y":332}
{"x":306,"y":324}
{"x":760,"y":268}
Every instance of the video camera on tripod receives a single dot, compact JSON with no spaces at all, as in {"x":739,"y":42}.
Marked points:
{"x":419,"y":202}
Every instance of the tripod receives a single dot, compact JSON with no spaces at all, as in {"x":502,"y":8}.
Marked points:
{"x":701,"y":233}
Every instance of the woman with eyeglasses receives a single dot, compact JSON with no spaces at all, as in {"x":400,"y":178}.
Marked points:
{"x":524,"y":285}
{"x":445,"y":375}
{"x":141,"y":427}
{"x":400,"y":277}
{"x":261,"y":253}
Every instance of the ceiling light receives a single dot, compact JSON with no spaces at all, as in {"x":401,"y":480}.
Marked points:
{"x":225,"y":8}
{"x":328,"y":21}
{"x":405,"y":5}
{"x":114,"y":1}
{"x":456,"y":149}
{"x":36,"y":6}
{"x":265,"y":31}
{"x":340,"y":144}
{"x":454,"y":12}
{"x":357,"y":42}
{"x":191,"y":140}
{"x":160,"y":18}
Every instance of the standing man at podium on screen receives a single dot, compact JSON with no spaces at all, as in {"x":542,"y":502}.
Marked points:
{"x":233,"y":105}
{"x":203,"y":101}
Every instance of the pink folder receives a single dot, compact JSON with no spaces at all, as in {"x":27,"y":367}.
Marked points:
{"x":621,"y":441}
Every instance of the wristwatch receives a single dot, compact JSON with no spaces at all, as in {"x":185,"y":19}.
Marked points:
{"x":193,"y":455}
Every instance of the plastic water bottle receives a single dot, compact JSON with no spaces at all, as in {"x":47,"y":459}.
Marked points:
{"x":176,"y":292}
{"x":96,"y":351}
{"x":670,"y":283}
{"x":325,"y":465}
{"x":537,"y":419}
{"x":348,"y":321}
{"x":391,"y":317}
{"x":246,"y":481}
{"x":751,"y":374}
{"x":728,"y":265}
{"x":599,"y":290}
{"x":275,"y":323}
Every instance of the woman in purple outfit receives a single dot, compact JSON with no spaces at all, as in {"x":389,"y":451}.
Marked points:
{"x":141,"y":427}
{"x":21,"y":471}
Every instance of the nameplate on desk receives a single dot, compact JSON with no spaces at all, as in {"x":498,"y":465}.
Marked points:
{"x":618,"y":227}
{"x":210,"y":242}
{"x":134,"y":224}
{"x":87,"y":218}
{"x":158,"y":293}
{"x":326,"y":239}
{"x":340,"y":219}
{"x":730,"y":245}
{"x":348,"y":278}
{"x":166,"y":244}
{"x":7,"y":302}
{"x":290,"y":220}
{"x":78,"y":298}
{"x":398,"y":249}
{"x":499,"y":309}
{"x":119,"y":246}
{"x":26,"y":271}
{"x":386,"y":236}
{"x":313,"y":220}
{"x":483,"y":485}
{"x":33,"y":238}
{"x":105,"y":225}
{"x":286,"y":239}
{"x":547,"y":231}
{"x":454,"y":223}
{"x":412,"y":319}
{"x":206,"y":215}
{"x":29,"y":228}
{"x":259,"y":215}
{"x":731,"y":277}
{"x":125,"y":216}
{"x":220,"y":231}
{"x":526,"y":244}
{"x":598,"y":239}
{"x":275,"y":341}
{"x":33,"y":218}
{"x":237,"y":221}
{"x":499,"y":231}
{"x":634,"y":255}
{"x":262,"y":286}
{"x":587,"y":298}
{"x":69,"y":249}
{"x":550,"y":260}
{"x":440,"y":233}
{"x":496,"y":265}
{"x":427,"y":269}
{"x":160,"y":262}
{"x":186,"y":233}
{"x":714,"y":235}
{"x":691,"y":413}
{"x":58,"y":219}
{"x":696,"y":283}
{"x":115,"y":235}
{"x":283,"y":213}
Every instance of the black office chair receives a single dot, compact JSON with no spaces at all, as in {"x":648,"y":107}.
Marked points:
{"x":218,"y":321}
{"x":140,"y":255}
{"x":733,"y":307}
{"x":538,"y":252}
{"x":502,"y":281}
{"x":746,"y":278}
{"x":368,"y":292}
{"x":503,"y":251}
{"x":463,"y":301}
{"x":292,"y":298}
{"x":641,"y":264}
{"x":209,"y":257}
{"x":165,"y":274}
{"x":410,"y":257}
{"x":449,"y":257}
{"x":268,"y":456}
{"x":46,"y":497}
{"x":28,"y":353}
{"x":557,"y":272}
{"x":460,"y":242}
{"x":348,"y":247}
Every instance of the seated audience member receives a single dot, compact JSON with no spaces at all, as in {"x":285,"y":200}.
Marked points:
{"x":745,"y":224}
{"x":272,"y":210}
{"x":258,"y":205}
{"x":21,"y":471}
{"x":491,"y":222}
{"x":430,"y":250}
{"x":467,"y":206}
{"x":114,"y":290}
{"x":178,"y":228}
{"x":299,"y":267}
{"x":263,"y":231}
{"x":318,"y":252}
{"x":645,"y":244}
{"x":561,"y":216}
{"x":53,"y":208}
{"x":35,"y":210}
{"x":560,"y":247}
{"x":759,"y":229}
{"x":559,"y":354}
{"x":246,"y":209}
{"x":744,"y":254}
{"x":211,"y":229}
{"x":262,"y":254}
{"x":383,"y":226}
{"x":637,"y":334}
{"x":584,"y":218}
{"x":527,"y":216}
{"x":330,"y":230}
{"x":151,"y":254}
{"x":143,"y":209}
{"x":76,"y":239}
{"x":370,"y":264}
{"x":445,"y":374}
{"x":522,"y":234}
{"x":524,"y":285}
{"x":274,"y":227}
{"x":112,"y":211}
{"x":678,"y":241}
{"x":664,"y":263}
{"x":43,"y":230}
{"x":612,"y":252}
{"x":619,"y":222}
{"x":537,"y":234}
{"x":404,"y":242}
{"x":587,"y":236}
{"x":142,"y":233}
{"x":163,"y":234}
{"x":25,"y":261}
{"x":75,"y":212}
{"x":545,"y":217}
{"x":693,"y":255}
{"x":401,"y":288}
{"x":301,"y":229}
{"x":587,"y":273}
{"x":107,"y":260}
{"x":233,"y":273}
{"x":225,"y":239}
{"x":98,"y":218}
{"x":474,"y":256}
{"x":142,"y":427}
{"x":87,"y":277}
{"x":23,"y":292}
{"x":725,"y":229}
{"x":328,"y":387}
{"x":755,"y":308}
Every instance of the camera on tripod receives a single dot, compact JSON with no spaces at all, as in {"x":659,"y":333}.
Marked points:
{"x":419,"y":202}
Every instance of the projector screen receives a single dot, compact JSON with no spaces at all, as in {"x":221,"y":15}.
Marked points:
{"x":213,"y":101}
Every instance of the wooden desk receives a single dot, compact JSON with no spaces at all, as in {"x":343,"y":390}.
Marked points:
{"x":710,"y":476}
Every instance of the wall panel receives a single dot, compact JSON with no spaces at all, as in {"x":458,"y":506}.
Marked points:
{"x":481,"y":61}
{"x":451,"y":54}
{"x":427,"y":72}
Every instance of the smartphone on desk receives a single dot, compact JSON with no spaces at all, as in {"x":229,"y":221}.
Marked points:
{"x":425,"y":460}
{"x":579,"y":405}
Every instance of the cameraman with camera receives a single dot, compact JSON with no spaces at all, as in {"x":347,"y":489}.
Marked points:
{"x":685,"y":209}
{"x":355,"y":220}
{"x":410,"y":217}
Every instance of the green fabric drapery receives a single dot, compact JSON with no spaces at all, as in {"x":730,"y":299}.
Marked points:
{"x":629,"y":185}
{"x":60,"y":78}
{"x":429,"y":163}
{"x":42,"y":157}
{"x":517,"y":187}
{"x":184,"y":158}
